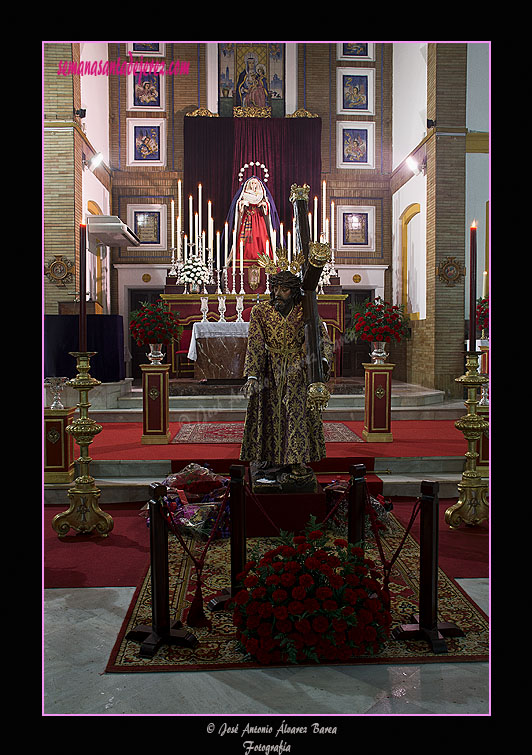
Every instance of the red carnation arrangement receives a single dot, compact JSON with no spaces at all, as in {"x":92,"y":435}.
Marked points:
{"x":483,"y":313}
{"x":309,"y":599}
{"x":152,"y":323}
{"x":378,"y":321}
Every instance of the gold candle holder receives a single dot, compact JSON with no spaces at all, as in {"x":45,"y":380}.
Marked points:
{"x":472,"y":505}
{"x":84,"y":513}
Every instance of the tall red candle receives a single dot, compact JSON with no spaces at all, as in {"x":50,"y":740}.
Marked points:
{"x":82,"y":288}
{"x":473,"y":288}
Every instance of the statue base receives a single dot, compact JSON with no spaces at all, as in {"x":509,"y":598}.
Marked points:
{"x":287,"y":478}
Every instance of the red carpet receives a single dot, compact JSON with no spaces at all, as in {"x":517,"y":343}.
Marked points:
{"x":118,"y":560}
{"x":122,"y":440}
{"x":464,"y":552}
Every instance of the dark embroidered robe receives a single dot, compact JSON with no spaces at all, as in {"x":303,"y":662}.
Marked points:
{"x":279,"y":427}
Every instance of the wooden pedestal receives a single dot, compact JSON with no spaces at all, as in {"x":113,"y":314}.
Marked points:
{"x":58,"y":445}
{"x":155,"y":404}
{"x":378,"y":403}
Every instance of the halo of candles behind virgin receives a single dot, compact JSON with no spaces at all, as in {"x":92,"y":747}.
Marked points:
{"x":197,"y":234}
{"x":473,"y":287}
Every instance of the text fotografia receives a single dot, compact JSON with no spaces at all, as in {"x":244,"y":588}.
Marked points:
{"x":250,"y":746}
{"x":119,"y":67}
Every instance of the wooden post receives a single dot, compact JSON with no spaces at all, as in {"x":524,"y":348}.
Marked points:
{"x":159,"y":632}
{"x":425,"y":625}
{"x":155,"y":404}
{"x":356,"y":505}
{"x":378,"y":403}
{"x":237,"y":506}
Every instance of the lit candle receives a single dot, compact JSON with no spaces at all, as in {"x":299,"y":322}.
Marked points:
{"x":315,"y":218}
{"x":179,"y":200}
{"x":173,"y":222}
{"x":185,"y":249}
{"x":332,"y":225}
{"x":199,"y":208}
{"x":289,"y":246}
{"x":196,"y":231}
{"x":323,"y":206}
{"x":485,"y":289}
{"x":241,"y":256}
{"x":281,"y":229}
{"x":226,"y":243}
{"x":82,"y":288}
{"x":179,"y":237}
{"x":473,"y":287}
{"x":209,"y":227}
{"x":190,"y":218}
{"x":217,"y":250}
{"x":203,"y":245}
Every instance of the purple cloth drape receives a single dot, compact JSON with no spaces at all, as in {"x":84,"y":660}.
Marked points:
{"x":216,"y":149}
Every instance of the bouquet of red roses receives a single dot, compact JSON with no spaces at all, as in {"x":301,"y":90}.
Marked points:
{"x":152,"y":323}
{"x":378,"y":321}
{"x":311,"y":599}
{"x":483,"y":313}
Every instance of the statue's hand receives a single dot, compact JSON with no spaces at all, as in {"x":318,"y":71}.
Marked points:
{"x":250,"y":387}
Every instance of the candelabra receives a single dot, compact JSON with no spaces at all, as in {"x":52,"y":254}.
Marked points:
{"x":84,"y":513}
{"x":174,"y":269}
{"x":221,"y":308}
{"x":472,"y":506}
{"x":239,"y":308}
{"x":204,"y":308}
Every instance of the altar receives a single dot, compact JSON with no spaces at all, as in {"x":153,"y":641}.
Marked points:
{"x":331,"y":308}
{"x":218,"y":349}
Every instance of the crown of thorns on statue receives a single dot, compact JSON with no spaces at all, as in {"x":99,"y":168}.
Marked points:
{"x":289,"y":280}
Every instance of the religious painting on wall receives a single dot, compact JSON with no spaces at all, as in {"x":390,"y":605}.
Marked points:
{"x":146,"y":143}
{"x":148,"y":222}
{"x":355,"y":51}
{"x":355,"y":144}
{"x":355,"y":91}
{"x":251,"y":79}
{"x":146,"y":91}
{"x":147,"y":49}
{"x":355,"y":229}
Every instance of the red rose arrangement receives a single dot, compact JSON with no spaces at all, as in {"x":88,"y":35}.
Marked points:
{"x":310,"y":600}
{"x":152,"y":323}
{"x":483,"y":313}
{"x":378,"y":321}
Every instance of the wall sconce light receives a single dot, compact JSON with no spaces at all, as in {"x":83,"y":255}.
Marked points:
{"x":416,"y":167}
{"x":93,"y":162}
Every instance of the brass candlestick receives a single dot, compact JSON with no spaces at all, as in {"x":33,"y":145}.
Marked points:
{"x":84,"y":513}
{"x":472,"y":505}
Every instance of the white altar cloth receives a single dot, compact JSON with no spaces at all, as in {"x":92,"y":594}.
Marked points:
{"x":215,"y":330}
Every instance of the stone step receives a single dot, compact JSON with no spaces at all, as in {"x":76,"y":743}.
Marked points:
{"x":128,"y":481}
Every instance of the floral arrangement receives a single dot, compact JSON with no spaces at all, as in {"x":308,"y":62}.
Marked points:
{"x":378,"y":321}
{"x":194,"y":271}
{"x":309,"y":599}
{"x":152,"y":323}
{"x":483,"y":313}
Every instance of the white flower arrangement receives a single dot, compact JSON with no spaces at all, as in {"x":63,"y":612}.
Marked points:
{"x":194,"y":271}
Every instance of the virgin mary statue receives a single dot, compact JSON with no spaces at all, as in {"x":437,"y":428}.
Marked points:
{"x":253,"y":215}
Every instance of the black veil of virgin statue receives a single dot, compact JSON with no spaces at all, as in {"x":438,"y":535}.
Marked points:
{"x":217,"y":148}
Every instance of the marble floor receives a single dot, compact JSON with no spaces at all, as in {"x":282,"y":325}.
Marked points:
{"x":80,"y":627}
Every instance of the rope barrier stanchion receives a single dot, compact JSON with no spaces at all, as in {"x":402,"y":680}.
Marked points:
{"x":159,"y":632}
{"x":425,"y":625}
{"x":237,"y":506}
{"x":356,"y":505}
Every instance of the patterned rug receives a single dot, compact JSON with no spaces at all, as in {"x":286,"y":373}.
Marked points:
{"x":231,"y":432}
{"x":217,"y":647}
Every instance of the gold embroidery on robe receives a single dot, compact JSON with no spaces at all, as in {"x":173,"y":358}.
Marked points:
{"x":279,"y":427}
